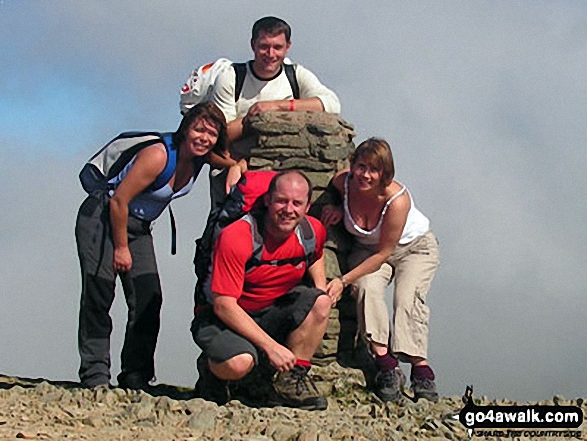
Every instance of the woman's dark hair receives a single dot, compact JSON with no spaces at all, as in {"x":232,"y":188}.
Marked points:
{"x":271,"y":26}
{"x":377,"y":152}
{"x":211,"y":113}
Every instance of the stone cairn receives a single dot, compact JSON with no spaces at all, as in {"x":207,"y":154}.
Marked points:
{"x":319,"y":144}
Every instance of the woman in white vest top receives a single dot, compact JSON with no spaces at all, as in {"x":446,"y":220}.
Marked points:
{"x":391,"y":241}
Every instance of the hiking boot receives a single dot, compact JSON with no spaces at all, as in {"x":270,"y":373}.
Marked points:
{"x":389,"y":384}
{"x":255,"y":390}
{"x":424,"y":388}
{"x":295,"y":388}
{"x":96,"y":381}
{"x":133,"y":381}
{"x":209,"y":387}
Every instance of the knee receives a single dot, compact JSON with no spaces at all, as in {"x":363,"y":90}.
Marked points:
{"x":234,"y":368}
{"x":370,"y":285}
{"x":403,"y":305}
{"x":322,"y":307}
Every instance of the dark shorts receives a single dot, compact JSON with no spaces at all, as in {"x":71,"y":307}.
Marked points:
{"x":279,"y":320}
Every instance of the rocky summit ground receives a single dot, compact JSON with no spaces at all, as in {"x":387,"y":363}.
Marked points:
{"x":41,"y":410}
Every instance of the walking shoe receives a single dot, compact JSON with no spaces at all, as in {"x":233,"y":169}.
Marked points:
{"x":209,"y":387}
{"x":161,"y":390}
{"x":295,"y":388}
{"x":95,"y":381}
{"x":424,"y":388}
{"x":255,"y":389}
{"x":133,"y":381}
{"x":389,"y":384}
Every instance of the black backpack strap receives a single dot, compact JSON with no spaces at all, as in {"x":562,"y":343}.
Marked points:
{"x":173,"y":232}
{"x":163,"y":178}
{"x":240,"y":70}
{"x":290,"y":73}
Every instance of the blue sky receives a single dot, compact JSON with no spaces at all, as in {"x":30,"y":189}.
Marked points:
{"x":484,"y":104}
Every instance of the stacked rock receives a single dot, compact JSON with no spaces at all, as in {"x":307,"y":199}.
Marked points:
{"x":319,"y":144}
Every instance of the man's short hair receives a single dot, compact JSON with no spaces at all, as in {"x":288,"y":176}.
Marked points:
{"x":273,"y":183}
{"x":272,"y":26}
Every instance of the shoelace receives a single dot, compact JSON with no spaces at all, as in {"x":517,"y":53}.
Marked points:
{"x":424,"y":383}
{"x":387,"y":379}
{"x":302,"y":379}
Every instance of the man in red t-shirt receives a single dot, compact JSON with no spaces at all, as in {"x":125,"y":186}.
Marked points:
{"x":262,"y":309}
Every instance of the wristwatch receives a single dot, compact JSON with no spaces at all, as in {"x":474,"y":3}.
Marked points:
{"x":344,"y":282}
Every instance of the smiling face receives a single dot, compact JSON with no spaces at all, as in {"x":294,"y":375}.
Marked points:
{"x":366,"y":174}
{"x":372,"y":165}
{"x":200,"y":137}
{"x":270,"y":50}
{"x":286,"y":205}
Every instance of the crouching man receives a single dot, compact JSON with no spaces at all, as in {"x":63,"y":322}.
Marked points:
{"x":260,"y":308}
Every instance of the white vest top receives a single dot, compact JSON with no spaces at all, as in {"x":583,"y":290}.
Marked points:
{"x":416,"y":224}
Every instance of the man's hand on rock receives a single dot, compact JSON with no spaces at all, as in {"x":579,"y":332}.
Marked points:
{"x":262,"y":107}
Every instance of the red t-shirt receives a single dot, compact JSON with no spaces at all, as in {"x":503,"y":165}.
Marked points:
{"x":262,"y":285}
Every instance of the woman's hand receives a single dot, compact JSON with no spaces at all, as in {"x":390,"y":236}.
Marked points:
{"x":232,"y":177}
{"x":331,"y":215}
{"x":235,"y":172}
{"x":122,"y":261}
{"x":334,"y":290}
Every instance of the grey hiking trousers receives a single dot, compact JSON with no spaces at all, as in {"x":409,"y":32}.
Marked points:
{"x":142,"y":290}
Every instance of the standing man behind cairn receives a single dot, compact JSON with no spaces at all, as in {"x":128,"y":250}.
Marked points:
{"x":266,"y":87}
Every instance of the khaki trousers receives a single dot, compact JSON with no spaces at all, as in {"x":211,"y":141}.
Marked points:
{"x":412,"y":268}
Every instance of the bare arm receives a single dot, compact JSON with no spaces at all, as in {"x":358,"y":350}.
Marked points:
{"x":235,"y":127}
{"x":302,"y":105}
{"x":227,"y":309}
{"x":317,"y":272}
{"x":235,"y":168}
{"x":391,"y":231}
{"x":147,"y":166}
{"x":220,"y":161}
{"x":235,"y":172}
{"x":332,"y":214}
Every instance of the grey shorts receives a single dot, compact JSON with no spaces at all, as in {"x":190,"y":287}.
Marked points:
{"x":220,"y":343}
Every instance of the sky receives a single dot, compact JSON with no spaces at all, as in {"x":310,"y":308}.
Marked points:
{"x":483,"y":102}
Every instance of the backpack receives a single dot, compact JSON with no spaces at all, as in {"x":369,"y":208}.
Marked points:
{"x":200,"y":84}
{"x":111,"y":159}
{"x":243,"y":202}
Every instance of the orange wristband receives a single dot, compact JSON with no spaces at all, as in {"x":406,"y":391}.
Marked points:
{"x":292,"y":105}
